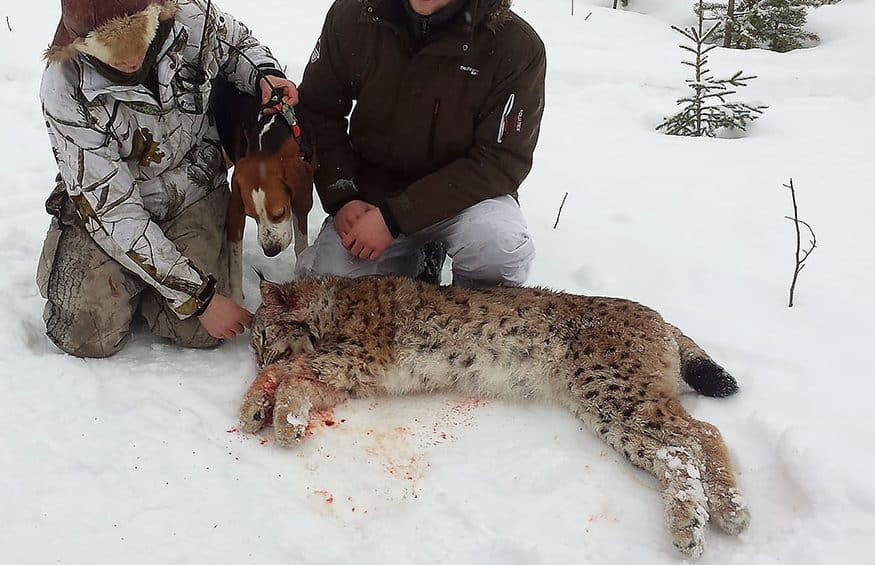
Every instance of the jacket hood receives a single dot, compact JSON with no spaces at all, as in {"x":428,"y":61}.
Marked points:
{"x":497,"y":14}
{"x":107,"y":30}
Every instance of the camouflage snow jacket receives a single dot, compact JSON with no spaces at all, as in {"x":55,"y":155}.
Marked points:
{"x":130,"y":158}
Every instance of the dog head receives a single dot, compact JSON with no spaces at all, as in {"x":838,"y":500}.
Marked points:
{"x":274,"y":181}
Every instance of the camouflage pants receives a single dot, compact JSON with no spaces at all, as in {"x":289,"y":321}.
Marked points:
{"x":91,"y":299}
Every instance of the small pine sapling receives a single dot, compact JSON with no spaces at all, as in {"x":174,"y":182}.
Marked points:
{"x":777,"y":25}
{"x":706,"y":110}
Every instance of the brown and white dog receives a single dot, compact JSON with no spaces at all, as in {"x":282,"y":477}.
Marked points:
{"x":273,"y":178}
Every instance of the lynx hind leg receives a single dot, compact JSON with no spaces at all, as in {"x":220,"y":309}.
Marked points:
{"x":639,"y":420}
{"x":259,"y":399}
{"x":295,"y":397}
{"x":679,"y":471}
{"x":728,"y":508}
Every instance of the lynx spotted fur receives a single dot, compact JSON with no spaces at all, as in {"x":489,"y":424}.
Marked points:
{"x":615,"y":364}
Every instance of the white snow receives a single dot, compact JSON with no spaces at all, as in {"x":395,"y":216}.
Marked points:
{"x":137,"y":459}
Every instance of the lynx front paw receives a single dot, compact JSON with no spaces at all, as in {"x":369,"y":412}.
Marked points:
{"x":258,"y":402}
{"x":255,"y":412}
{"x":289,"y":427}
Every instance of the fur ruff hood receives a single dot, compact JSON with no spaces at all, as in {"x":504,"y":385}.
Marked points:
{"x":116,"y":38}
{"x":498,"y":15}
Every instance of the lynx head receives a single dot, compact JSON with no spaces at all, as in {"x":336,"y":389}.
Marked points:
{"x":281,"y":328}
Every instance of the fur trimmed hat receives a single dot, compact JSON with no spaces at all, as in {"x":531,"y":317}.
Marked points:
{"x":110,"y":30}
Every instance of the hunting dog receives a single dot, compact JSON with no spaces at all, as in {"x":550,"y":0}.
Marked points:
{"x":273,"y":173}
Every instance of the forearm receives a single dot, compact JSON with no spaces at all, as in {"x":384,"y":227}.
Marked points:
{"x":243,"y":59}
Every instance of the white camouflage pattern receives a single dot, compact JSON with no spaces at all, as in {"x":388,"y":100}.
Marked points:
{"x":129,"y":160}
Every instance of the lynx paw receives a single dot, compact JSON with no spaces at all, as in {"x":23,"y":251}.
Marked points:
{"x":259,"y":400}
{"x":731,"y":513}
{"x":255,"y":412}
{"x":289,"y":428}
{"x":688,"y":536}
{"x":686,"y":505}
{"x":290,"y":431}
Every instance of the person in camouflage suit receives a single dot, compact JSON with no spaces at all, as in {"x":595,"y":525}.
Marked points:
{"x":142,"y":190}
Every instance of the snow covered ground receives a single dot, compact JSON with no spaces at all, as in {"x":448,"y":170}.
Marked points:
{"x":137,"y":459}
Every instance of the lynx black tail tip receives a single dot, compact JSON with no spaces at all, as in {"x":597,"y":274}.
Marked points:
{"x":708,"y":378}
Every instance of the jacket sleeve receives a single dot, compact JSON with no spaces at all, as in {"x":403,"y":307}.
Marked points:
{"x":496,"y":164}
{"x":232,"y":65}
{"x":326,"y":95}
{"x":106,"y":197}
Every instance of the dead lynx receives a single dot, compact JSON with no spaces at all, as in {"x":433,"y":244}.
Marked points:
{"x":614,"y":363}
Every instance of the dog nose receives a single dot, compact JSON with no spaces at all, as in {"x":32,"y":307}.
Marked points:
{"x":272,"y":251}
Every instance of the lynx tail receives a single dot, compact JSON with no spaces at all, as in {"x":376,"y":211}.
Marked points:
{"x":701,"y":372}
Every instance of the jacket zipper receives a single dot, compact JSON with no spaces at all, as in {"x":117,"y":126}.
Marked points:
{"x":433,"y":131}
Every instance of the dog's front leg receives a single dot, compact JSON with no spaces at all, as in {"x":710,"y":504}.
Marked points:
{"x":299,"y":224}
{"x":235,"y":266}
{"x":235,"y":223}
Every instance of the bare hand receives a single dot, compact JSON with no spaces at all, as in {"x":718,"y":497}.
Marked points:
{"x":369,"y":237}
{"x":268,"y":83}
{"x":347,"y":216}
{"x":224,"y":318}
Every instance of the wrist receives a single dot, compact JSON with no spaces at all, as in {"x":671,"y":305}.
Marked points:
{"x":336,"y":207}
{"x":389,"y":219}
{"x":271,"y":71}
{"x":205,"y":296}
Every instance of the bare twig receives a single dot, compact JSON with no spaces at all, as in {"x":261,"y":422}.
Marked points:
{"x":564,"y":198}
{"x":801,"y":254}
{"x":587,"y":16}
{"x":9,"y":25}
{"x":572,"y":7}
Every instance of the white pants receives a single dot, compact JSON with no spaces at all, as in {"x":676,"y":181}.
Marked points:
{"x":489,"y":244}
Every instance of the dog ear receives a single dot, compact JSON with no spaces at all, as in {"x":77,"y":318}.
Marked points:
{"x":297,"y":174}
